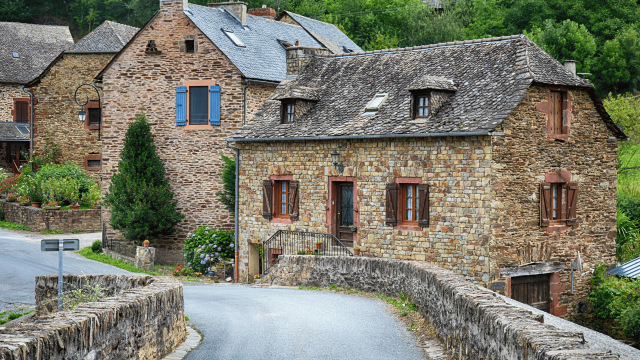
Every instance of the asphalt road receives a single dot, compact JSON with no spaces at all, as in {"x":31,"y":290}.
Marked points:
{"x":245,"y":322}
{"x":21,"y":261}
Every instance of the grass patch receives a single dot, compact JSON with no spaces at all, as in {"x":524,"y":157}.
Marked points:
{"x":51,"y":232}
{"x":9,"y":315}
{"x":13,"y":226}
{"x":82,"y":207}
{"x":401,"y":303}
{"x":76,"y":232}
{"x":103,"y":258}
{"x":333,"y":288}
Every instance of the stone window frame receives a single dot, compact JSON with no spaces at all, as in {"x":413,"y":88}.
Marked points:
{"x":183,"y":44}
{"x":14,"y":112}
{"x":93,"y":104}
{"x":194,"y":83}
{"x":559,"y":178}
{"x":92,"y":157}
{"x":545,"y":108}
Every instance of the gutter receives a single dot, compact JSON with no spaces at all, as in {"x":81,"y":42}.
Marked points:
{"x":235,"y":215}
{"x":343,"y":137}
{"x":30,"y":126}
{"x":244,"y":104}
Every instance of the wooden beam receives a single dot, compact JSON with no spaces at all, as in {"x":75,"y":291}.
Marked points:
{"x":532,"y":269}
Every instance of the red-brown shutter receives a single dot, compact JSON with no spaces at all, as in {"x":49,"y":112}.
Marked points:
{"x":565,"y":113}
{"x":423,"y":193}
{"x":22,"y":111}
{"x":545,"y":203}
{"x":392,"y":205}
{"x":572,"y":202}
{"x":294,"y":212}
{"x":267,"y":199}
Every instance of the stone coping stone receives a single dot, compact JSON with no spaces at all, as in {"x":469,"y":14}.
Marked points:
{"x":472,"y":321}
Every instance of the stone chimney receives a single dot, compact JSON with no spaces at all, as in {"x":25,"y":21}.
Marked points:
{"x":299,"y":56}
{"x":570,"y":65}
{"x":177,"y":5}
{"x":265,"y":12}
{"x":237,"y":8}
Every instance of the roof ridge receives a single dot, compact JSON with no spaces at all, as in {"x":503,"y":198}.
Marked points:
{"x":430,"y":46}
{"x":21,"y":23}
{"x":306,"y":17}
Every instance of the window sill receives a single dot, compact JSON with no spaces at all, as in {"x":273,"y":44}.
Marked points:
{"x":276,"y":220}
{"x":198,"y":127}
{"x":562,"y":137}
{"x":552,"y":229}
{"x":408,"y":227}
{"x":92,"y":127}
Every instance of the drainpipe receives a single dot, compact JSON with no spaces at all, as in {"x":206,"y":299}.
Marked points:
{"x":30,"y":126}
{"x":244,"y":118}
{"x":235,"y":215}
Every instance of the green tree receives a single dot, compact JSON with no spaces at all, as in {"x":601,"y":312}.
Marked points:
{"x":625,"y":112}
{"x":566,"y":41}
{"x":140,"y":198}
{"x":619,"y":64}
{"x":14,"y":10}
{"x":228,"y":194}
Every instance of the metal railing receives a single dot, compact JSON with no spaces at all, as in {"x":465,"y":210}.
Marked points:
{"x":125,"y":248}
{"x":287,"y":242}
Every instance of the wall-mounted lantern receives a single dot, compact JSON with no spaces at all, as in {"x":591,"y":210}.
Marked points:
{"x":335,"y":156}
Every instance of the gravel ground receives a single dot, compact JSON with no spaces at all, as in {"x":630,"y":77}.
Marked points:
{"x":596,"y":340}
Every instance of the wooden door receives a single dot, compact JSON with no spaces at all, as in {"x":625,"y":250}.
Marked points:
{"x":344,"y":213}
{"x":532,"y":290}
{"x":15,"y":155}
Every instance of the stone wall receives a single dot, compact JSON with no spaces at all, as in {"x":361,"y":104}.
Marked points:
{"x":456,"y":169}
{"x":473,"y":322}
{"x":57,"y":112}
{"x":38,"y":219}
{"x":145,"y":322}
{"x":8,"y":92}
{"x":520,"y":159}
{"x":191,"y":154}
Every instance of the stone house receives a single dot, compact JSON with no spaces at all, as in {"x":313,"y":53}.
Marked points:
{"x":198,"y":73}
{"x":486,"y":157}
{"x":26,"y":50}
{"x":57,"y":111}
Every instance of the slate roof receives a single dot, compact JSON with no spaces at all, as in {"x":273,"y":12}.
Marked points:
{"x":490,"y":77}
{"x":263,"y":57}
{"x":327,"y":34}
{"x":629,"y":269}
{"x":109,"y":37}
{"x":36,"y":45}
{"x":9,"y":132}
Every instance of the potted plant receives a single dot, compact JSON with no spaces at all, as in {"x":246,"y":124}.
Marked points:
{"x":11,"y":197}
{"x":356,"y":251}
{"x":353,"y":228}
{"x":24,"y":200}
{"x":145,"y":243}
{"x":51,"y":205}
{"x":319,"y":244}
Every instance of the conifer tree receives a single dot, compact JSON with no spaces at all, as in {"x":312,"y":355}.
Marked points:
{"x":140,"y":198}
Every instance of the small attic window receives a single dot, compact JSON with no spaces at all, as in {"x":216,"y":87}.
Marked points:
{"x":15,"y":54}
{"x":376,"y":102}
{"x":345,"y":50}
{"x":23,"y":130}
{"x":190,"y":45}
{"x":233,"y":38}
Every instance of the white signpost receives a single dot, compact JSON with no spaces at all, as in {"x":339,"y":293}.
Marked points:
{"x":60,"y":245}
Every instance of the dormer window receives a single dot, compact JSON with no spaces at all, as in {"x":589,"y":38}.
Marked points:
{"x":420,"y":105}
{"x":288,"y":112}
{"x":375,"y":103}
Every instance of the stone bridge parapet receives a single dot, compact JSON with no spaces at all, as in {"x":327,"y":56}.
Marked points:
{"x":473,"y":322}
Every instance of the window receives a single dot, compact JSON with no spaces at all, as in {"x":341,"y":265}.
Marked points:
{"x":558,"y":202}
{"x":283,"y":199}
{"x":23,"y":130}
{"x":234,"y":38}
{"x":407,"y":204}
{"x":93,"y":162}
{"x":198,"y":105}
{"x":15,"y":54}
{"x":421,"y":105}
{"x":190,"y":46}
{"x":94,"y":117}
{"x":376,"y":102}
{"x":288,"y":112}
{"x":22,"y":111}
{"x":558,"y":112}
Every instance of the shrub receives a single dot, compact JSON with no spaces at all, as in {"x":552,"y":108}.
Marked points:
{"x":627,"y":239}
{"x":96,"y":247}
{"x":9,"y":184}
{"x":630,"y":206}
{"x":206,"y":247}
{"x":228,"y":194}
{"x":140,"y":198}
{"x":182,"y":270}
{"x":630,"y":322}
{"x":66,"y":171}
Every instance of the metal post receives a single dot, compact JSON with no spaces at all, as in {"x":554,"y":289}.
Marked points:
{"x":60,"y":251}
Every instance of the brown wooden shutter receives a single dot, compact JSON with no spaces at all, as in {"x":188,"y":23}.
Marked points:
{"x":545,"y":203}
{"x":572,"y":202}
{"x":22,"y":111}
{"x":565,"y":113}
{"x":294,"y":212}
{"x":392,"y":204}
{"x":267,"y":199}
{"x":423,"y":192}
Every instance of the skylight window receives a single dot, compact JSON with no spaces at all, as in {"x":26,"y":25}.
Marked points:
{"x":376,"y":102}
{"x":15,"y":54}
{"x":234,"y":38}
{"x":23,"y":130}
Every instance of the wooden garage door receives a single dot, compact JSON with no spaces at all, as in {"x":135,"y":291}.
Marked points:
{"x":532,"y":290}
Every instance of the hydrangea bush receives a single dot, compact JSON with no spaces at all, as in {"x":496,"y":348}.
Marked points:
{"x":206,"y":247}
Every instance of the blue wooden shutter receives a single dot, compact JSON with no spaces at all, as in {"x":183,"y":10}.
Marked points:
{"x":214,"y":103}
{"x":181,"y":105}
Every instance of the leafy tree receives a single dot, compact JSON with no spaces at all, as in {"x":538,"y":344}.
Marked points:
{"x":14,"y":10}
{"x":228,"y":194}
{"x":566,"y":41}
{"x":625,"y":112}
{"x":139,"y":196}
{"x":619,"y":65}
